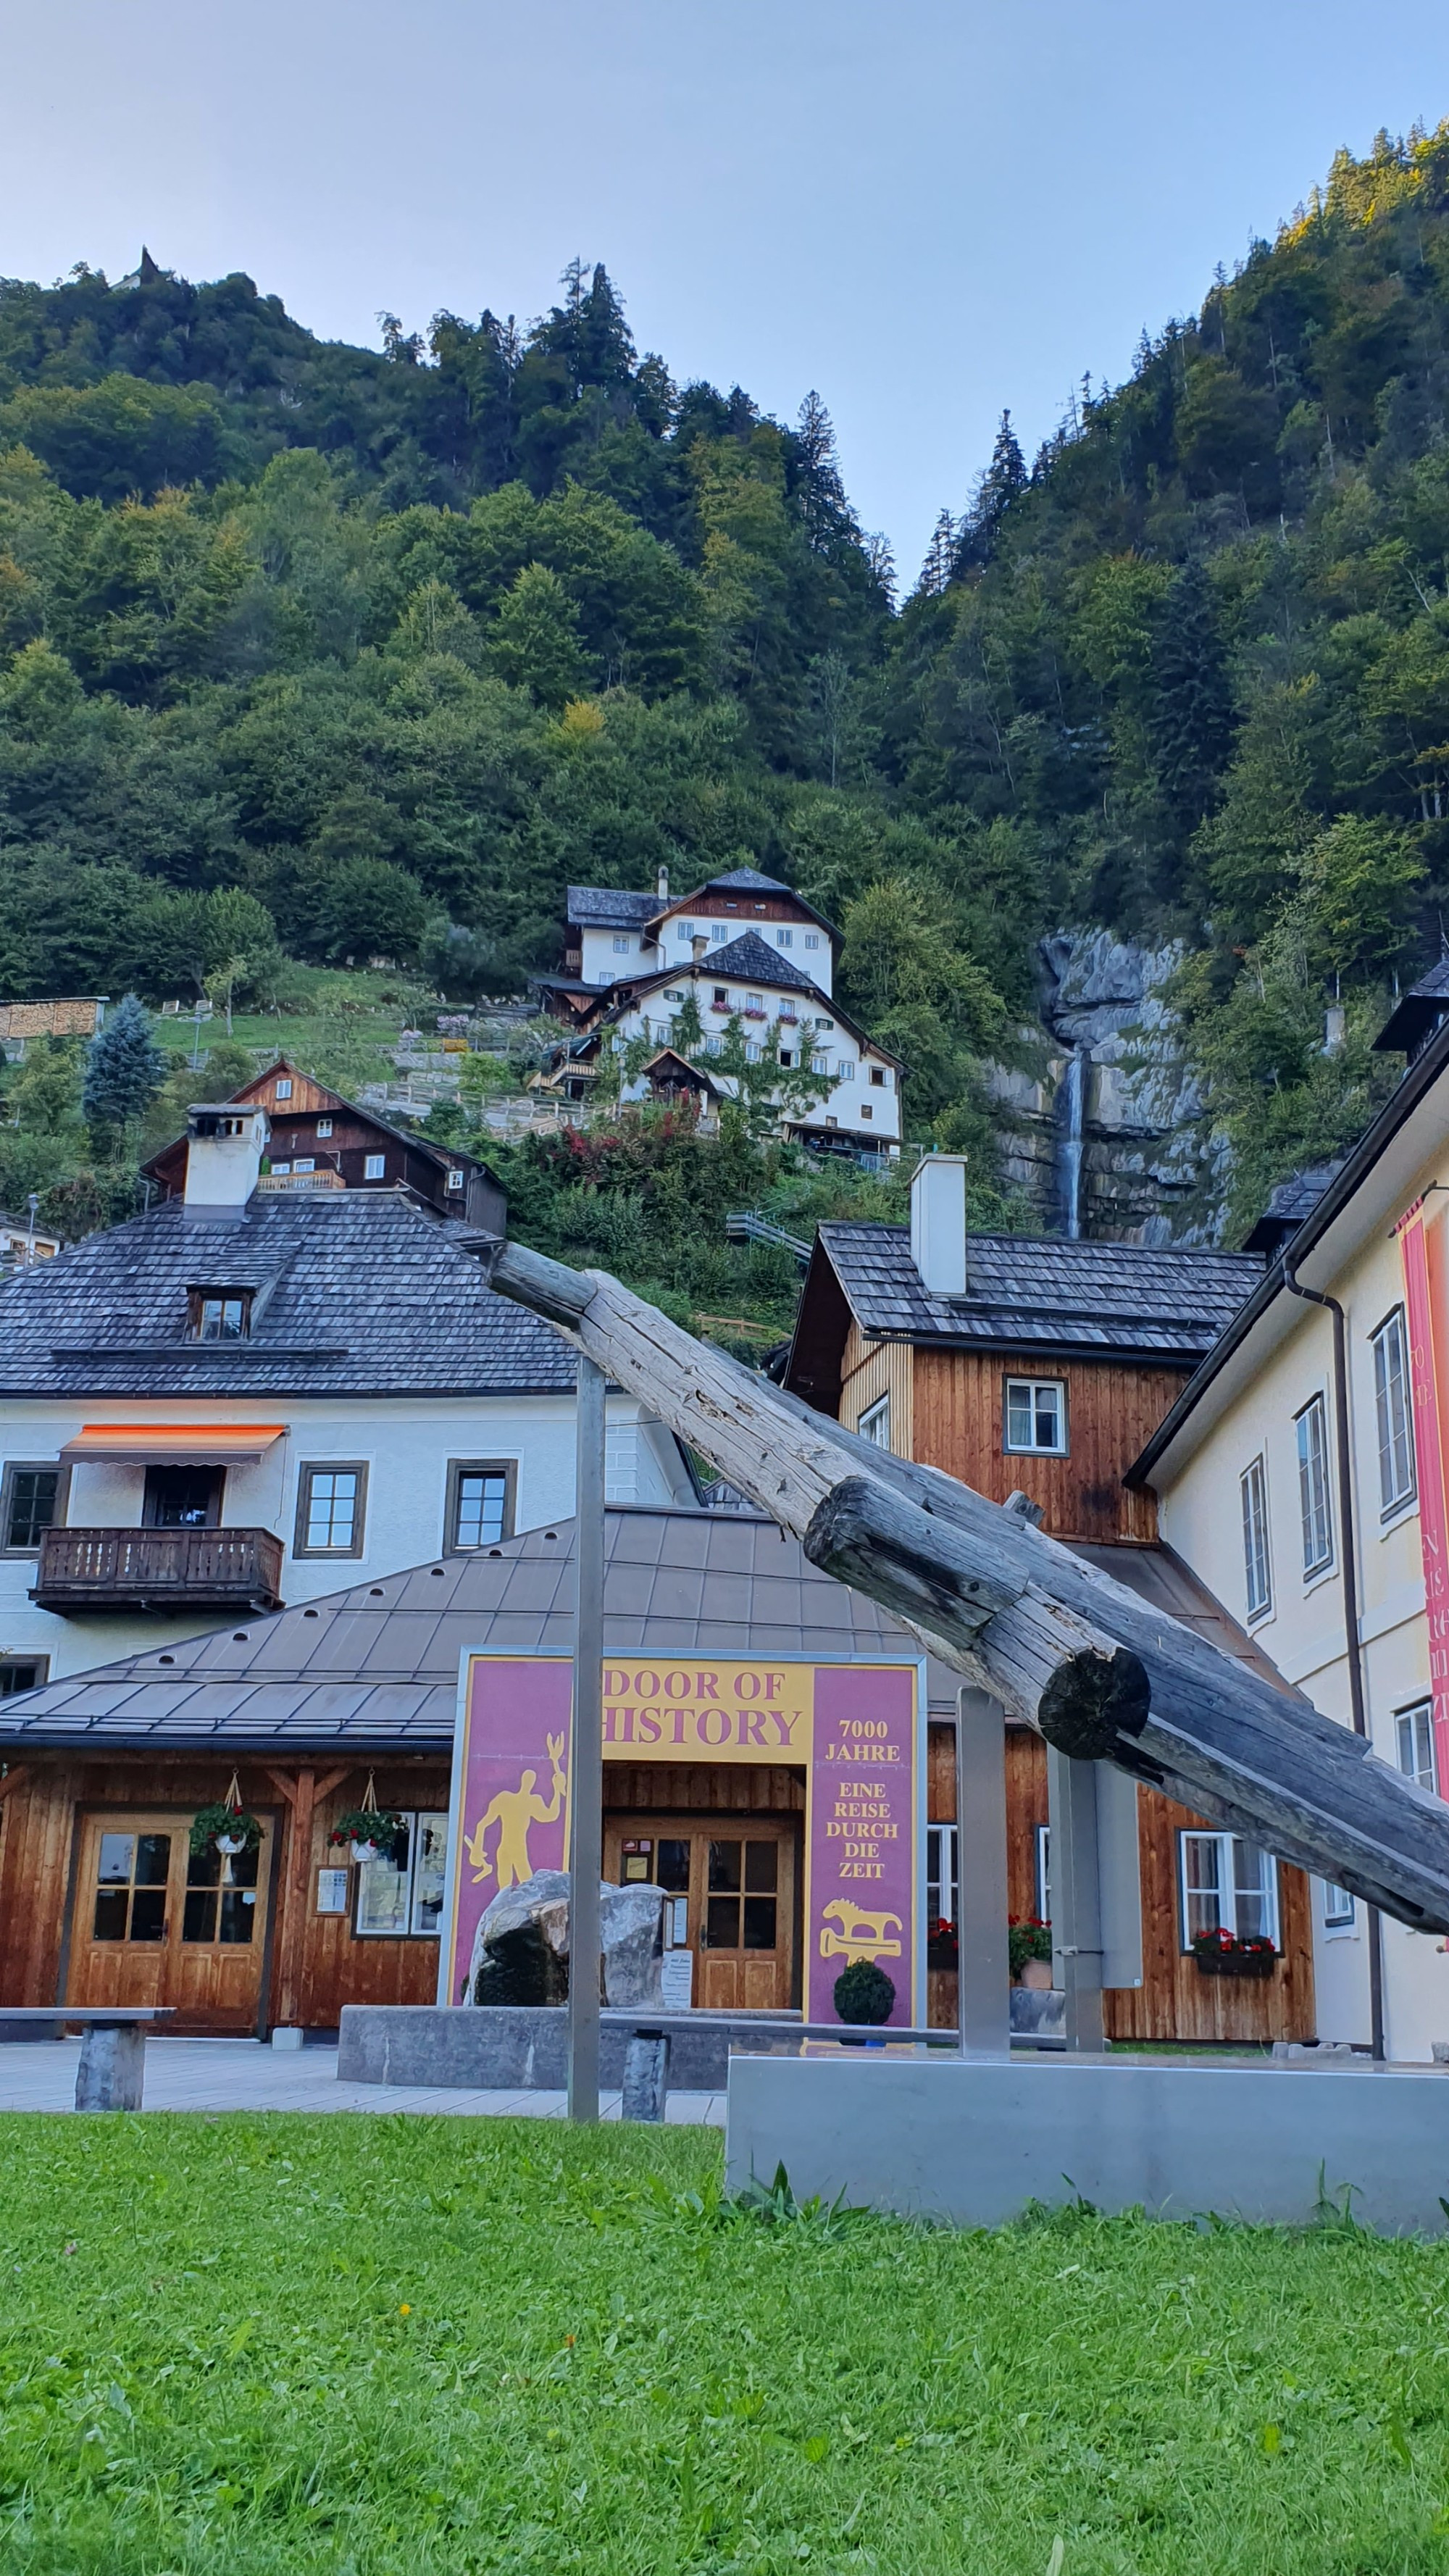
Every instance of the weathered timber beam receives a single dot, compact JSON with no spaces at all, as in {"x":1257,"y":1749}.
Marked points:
{"x":1100,"y":1671}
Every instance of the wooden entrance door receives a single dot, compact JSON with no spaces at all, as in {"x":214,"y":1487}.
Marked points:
{"x":155,"y":1925}
{"x":731,"y":1881}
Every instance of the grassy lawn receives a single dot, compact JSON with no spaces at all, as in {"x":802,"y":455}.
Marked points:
{"x":258,"y":2344}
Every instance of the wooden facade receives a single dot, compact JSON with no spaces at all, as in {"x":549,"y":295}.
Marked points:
{"x":297,"y":1966}
{"x":1175,"y":2000}
{"x":948,"y":1410}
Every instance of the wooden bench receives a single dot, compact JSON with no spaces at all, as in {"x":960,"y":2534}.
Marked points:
{"x":111,"y":2073}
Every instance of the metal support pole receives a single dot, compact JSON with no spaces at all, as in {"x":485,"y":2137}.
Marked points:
{"x":586,"y":1787}
{"x":1077,"y":1944}
{"x":983,"y":1966}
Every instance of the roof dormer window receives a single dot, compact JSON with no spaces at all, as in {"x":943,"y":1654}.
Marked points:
{"x":219,"y":1314}
{"x":284,"y":1089}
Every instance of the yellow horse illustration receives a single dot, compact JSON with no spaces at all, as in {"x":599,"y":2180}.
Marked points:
{"x":514,"y":1812}
{"x":860,"y":1936}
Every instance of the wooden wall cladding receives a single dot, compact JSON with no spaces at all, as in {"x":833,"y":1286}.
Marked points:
{"x":870,"y":1370}
{"x":669,"y":1788}
{"x":1175,"y":2000}
{"x":957,"y":1411}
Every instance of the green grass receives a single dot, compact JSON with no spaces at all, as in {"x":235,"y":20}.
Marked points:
{"x":245,"y":2346}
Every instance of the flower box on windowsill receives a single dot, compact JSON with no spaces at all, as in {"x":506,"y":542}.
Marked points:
{"x":1235,"y":1958}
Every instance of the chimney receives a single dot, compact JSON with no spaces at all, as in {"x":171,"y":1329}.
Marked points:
{"x":224,"y":1149}
{"x":938,"y":1223}
{"x":697,"y":947}
{"x":663,"y":885}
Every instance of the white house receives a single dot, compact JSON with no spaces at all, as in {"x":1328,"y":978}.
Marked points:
{"x":243,"y":1397}
{"x":614,"y":934}
{"x":1302,"y":1476}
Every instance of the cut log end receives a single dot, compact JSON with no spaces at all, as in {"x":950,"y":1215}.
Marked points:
{"x":1091,"y":1700}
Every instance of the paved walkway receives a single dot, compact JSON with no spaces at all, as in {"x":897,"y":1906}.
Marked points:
{"x":241,"y":2075}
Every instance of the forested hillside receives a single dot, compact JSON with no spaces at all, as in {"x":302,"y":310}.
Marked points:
{"x":321,"y":653}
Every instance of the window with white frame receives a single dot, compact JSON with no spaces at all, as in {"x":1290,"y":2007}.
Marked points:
{"x":812,"y":938}
{"x":1395,"y":1418}
{"x":943,"y":1884}
{"x":1036,"y":1417}
{"x":845,"y":1070}
{"x":784,"y":939}
{"x":1316,"y":1520}
{"x":684,"y":930}
{"x":875,"y":1423}
{"x":402,"y":1894}
{"x":374,"y":1167}
{"x":719,"y":930}
{"x":324,"y":1126}
{"x":1256,"y":1571}
{"x":283,"y":1090}
{"x":1338,"y":1907}
{"x":1042,"y":1840}
{"x":1414,"y":1728}
{"x":1227,"y":1885}
{"x":621,"y":945}
{"x":820,"y":1064}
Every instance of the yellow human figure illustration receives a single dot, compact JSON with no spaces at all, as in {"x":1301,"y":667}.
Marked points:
{"x":514,"y":1811}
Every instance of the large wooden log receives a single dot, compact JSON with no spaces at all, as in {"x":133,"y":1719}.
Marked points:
{"x":1097,"y":1669}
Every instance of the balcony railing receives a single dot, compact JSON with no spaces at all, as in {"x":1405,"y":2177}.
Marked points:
{"x":159,"y":1569}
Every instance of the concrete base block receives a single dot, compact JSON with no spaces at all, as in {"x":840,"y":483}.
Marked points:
{"x":973,"y":2141}
{"x":512,"y":2047}
{"x":112,"y":2066}
{"x":287,"y":2035}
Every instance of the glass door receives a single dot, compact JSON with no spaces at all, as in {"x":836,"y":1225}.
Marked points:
{"x":155,"y":1923}
{"x":729,"y":1885}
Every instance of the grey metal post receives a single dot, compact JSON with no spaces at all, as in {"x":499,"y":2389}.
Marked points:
{"x":983,"y":1967}
{"x":586,"y":1760}
{"x":1077,"y":1946}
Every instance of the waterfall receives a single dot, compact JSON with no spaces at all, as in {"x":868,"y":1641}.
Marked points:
{"x":1069,"y":1143}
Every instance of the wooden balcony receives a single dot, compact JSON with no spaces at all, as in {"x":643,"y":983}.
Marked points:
{"x":162,"y":1570}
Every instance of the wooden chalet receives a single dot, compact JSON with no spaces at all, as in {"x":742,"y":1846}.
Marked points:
{"x":101,"y":1774}
{"x":319,"y":1141}
{"x":1030,"y":1365}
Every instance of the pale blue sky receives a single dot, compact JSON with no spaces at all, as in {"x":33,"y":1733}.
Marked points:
{"x":925,"y":208}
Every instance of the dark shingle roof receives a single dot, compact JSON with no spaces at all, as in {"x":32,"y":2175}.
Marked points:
{"x":1417,"y":1013}
{"x":610,"y":908}
{"x":1027,"y":1291}
{"x":377,"y":1664}
{"x":750,"y":961}
{"x":746,"y":881}
{"x":1291,"y":1202}
{"x":363,"y":1293}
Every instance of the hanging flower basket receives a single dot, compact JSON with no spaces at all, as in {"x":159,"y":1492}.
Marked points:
{"x":374,"y":1833}
{"x":225,"y":1828}
{"x":1220,"y":1954}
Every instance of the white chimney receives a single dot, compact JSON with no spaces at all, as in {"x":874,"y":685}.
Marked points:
{"x":938,"y":1224}
{"x":697,"y":947}
{"x":663,"y":887}
{"x":224,"y":1149}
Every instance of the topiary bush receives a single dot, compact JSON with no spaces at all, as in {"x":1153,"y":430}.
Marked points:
{"x":864,"y":1993}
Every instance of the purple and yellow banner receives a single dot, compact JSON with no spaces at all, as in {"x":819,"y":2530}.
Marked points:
{"x":1421,"y":1248}
{"x":854,"y":1729}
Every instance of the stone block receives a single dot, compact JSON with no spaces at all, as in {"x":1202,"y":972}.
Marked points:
{"x":974,"y":2141}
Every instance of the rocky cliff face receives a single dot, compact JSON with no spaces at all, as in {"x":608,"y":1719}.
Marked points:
{"x":1109,"y":1140}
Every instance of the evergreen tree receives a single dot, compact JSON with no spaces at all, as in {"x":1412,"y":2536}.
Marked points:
{"x":1002,"y":483}
{"x":1192,"y":718}
{"x":124,"y":1069}
{"x":940,"y":556}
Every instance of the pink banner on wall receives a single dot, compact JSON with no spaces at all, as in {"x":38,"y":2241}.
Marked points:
{"x":861,"y":1885}
{"x":1423,"y":1293}
{"x":510,"y":1789}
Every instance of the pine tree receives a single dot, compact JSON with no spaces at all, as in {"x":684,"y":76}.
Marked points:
{"x":940,"y":557}
{"x":1004,"y":480}
{"x":124,"y":1068}
{"x":1192,"y":719}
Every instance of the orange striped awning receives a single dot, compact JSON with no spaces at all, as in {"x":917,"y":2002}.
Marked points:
{"x":174,"y":1444}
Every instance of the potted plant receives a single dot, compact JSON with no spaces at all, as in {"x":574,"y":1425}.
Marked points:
{"x":943,"y":1947}
{"x":1029,"y":1947}
{"x":1219,"y":1953}
{"x":864,"y":1993}
{"x":226,"y":1826}
{"x":374,"y":1832}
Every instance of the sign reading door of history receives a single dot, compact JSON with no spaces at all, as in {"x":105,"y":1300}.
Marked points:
{"x":853,"y":1730}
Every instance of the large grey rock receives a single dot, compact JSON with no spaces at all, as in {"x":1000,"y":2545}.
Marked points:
{"x":521,"y":1947}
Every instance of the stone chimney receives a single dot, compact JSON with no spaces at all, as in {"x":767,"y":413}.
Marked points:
{"x":663,"y":885}
{"x":697,"y":947}
{"x":938,"y":1223}
{"x":224,"y":1149}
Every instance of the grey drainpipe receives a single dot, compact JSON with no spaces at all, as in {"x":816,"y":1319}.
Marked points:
{"x":1357,"y":1697}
